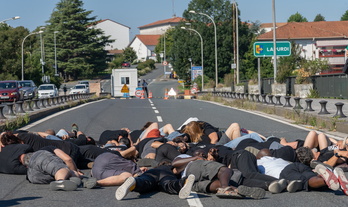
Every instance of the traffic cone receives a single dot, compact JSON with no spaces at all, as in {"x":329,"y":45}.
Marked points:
{"x":142,"y":95}
{"x":166,"y":94}
{"x":150,"y":94}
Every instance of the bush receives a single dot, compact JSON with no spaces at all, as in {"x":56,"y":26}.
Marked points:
{"x":147,"y":64}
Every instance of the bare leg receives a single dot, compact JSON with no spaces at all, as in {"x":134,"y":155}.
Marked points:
{"x":154,"y":125}
{"x":311,"y":140}
{"x":233,"y":131}
{"x":114,"y":180}
{"x":62,"y":174}
{"x":286,"y":143}
{"x":316,"y":182}
{"x":168,"y":128}
{"x":323,"y":141}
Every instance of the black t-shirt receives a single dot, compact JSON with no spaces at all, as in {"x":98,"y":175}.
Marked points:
{"x":91,"y":151}
{"x":37,"y":142}
{"x":9,"y":158}
{"x":108,"y":135}
{"x":207,"y":129}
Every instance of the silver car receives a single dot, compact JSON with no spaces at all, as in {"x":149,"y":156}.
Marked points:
{"x":79,"y":88}
{"x":28,"y":89}
{"x":47,"y":91}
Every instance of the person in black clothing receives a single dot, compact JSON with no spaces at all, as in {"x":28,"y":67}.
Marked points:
{"x":9,"y":158}
{"x":158,"y":179}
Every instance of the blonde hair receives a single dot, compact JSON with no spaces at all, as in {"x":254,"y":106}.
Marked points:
{"x":194,"y":129}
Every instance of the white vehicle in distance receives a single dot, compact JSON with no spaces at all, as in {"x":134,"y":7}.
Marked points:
{"x":84,"y":82}
{"x":47,"y":91}
{"x":79,"y":88}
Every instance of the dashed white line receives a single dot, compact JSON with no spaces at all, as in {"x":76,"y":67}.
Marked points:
{"x":194,"y":200}
{"x":156,"y":111}
{"x":159,"y":119}
{"x":153,"y":107}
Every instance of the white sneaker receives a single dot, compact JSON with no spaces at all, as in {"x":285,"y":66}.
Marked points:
{"x":186,"y":189}
{"x":125,"y":188}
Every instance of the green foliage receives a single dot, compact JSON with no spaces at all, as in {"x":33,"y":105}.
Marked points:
{"x":297,"y":18}
{"x":147,"y":64}
{"x":313,"y":93}
{"x":286,"y":65}
{"x":129,"y":54}
{"x":345,"y":16}
{"x":80,"y":46}
{"x":116,"y":62}
{"x":319,"y":18}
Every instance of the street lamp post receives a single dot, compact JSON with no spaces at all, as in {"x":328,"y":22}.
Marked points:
{"x":23,"y":50}
{"x":216,"y":65}
{"x":200,"y":36}
{"x":164,"y":53}
{"x":55,"y":53}
{"x":42,"y":53}
{"x":13,"y":18}
{"x":274,"y":42}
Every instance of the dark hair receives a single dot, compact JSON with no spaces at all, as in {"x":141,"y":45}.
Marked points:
{"x":8,"y":138}
{"x":26,"y":158}
{"x":304,"y":155}
{"x":146,"y":125}
{"x":125,"y":141}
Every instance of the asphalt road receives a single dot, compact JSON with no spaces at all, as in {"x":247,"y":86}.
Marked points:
{"x":95,"y":117}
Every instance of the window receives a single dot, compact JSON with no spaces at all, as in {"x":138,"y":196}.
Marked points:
{"x":124,"y":80}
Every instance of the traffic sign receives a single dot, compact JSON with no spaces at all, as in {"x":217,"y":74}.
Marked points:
{"x":165,"y":63}
{"x":125,"y":89}
{"x":138,"y":93}
{"x":265,"y":49}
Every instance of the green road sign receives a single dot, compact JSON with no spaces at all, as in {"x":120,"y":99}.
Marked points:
{"x":265,"y":49}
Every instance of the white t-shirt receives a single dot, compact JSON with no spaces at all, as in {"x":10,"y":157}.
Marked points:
{"x":271,"y":166}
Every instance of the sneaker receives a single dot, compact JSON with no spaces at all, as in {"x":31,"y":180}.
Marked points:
{"x":125,"y":188}
{"x":329,"y":177}
{"x":76,"y":180}
{"x":277,"y":186}
{"x":294,"y":185}
{"x":251,"y":192}
{"x":186,"y":189}
{"x":74,"y":128}
{"x":342,"y":179}
{"x":66,"y":185}
{"x":314,"y":163}
{"x":89,"y":182}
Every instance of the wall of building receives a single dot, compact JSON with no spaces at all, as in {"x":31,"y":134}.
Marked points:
{"x":140,"y":49}
{"x":117,"y":32}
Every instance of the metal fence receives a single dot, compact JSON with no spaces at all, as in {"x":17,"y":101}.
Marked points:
{"x":327,"y":86}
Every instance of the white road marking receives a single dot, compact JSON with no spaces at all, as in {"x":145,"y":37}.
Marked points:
{"x":150,"y":100}
{"x":156,"y":111}
{"x":153,"y":107}
{"x":194,"y":201}
{"x":159,"y":119}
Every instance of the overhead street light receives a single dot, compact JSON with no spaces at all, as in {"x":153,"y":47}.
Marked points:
{"x":216,"y":65}
{"x":164,"y":53}
{"x":200,"y":36}
{"x":13,"y":18}
{"x":42,"y":52}
{"x":274,"y":42}
{"x":39,"y":32}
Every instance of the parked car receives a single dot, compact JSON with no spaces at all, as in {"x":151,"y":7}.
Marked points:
{"x":28,"y":88}
{"x":10,"y":91}
{"x":79,"y":88}
{"x":126,"y":64}
{"x":84,"y":82}
{"x":47,"y":91}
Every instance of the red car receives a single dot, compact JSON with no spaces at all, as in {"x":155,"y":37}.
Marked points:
{"x":9,"y":91}
{"x":125,"y":64}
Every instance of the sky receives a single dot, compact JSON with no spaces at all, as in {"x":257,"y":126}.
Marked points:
{"x":136,"y":13}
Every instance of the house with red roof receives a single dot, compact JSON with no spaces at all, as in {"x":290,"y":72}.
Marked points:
{"x":325,"y":40}
{"x":117,"y":32}
{"x":144,"y":44}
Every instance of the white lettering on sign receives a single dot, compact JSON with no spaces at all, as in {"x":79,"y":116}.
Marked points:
{"x":270,"y":49}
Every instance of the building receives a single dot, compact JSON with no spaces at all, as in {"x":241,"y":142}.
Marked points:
{"x":144,"y":44}
{"x":117,"y":32}
{"x":325,"y":40}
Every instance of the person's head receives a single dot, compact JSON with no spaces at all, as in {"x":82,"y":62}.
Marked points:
{"x":50,"y":132}
{"x":8,"y":137}
{"x":146,"y":125}
{"x":304,"y":155}
{"x":182,"y":147}
{"x":182,"y":138}
{"x":263,"y":152}
{"x":25,"y":158}
{"x":125,"y":141}
{"x":194,"y":130}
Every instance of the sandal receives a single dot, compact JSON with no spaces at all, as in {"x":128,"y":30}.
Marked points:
{"x":227,"y":192}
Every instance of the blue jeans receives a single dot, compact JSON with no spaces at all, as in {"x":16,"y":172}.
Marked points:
{"x":234,"y":143}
